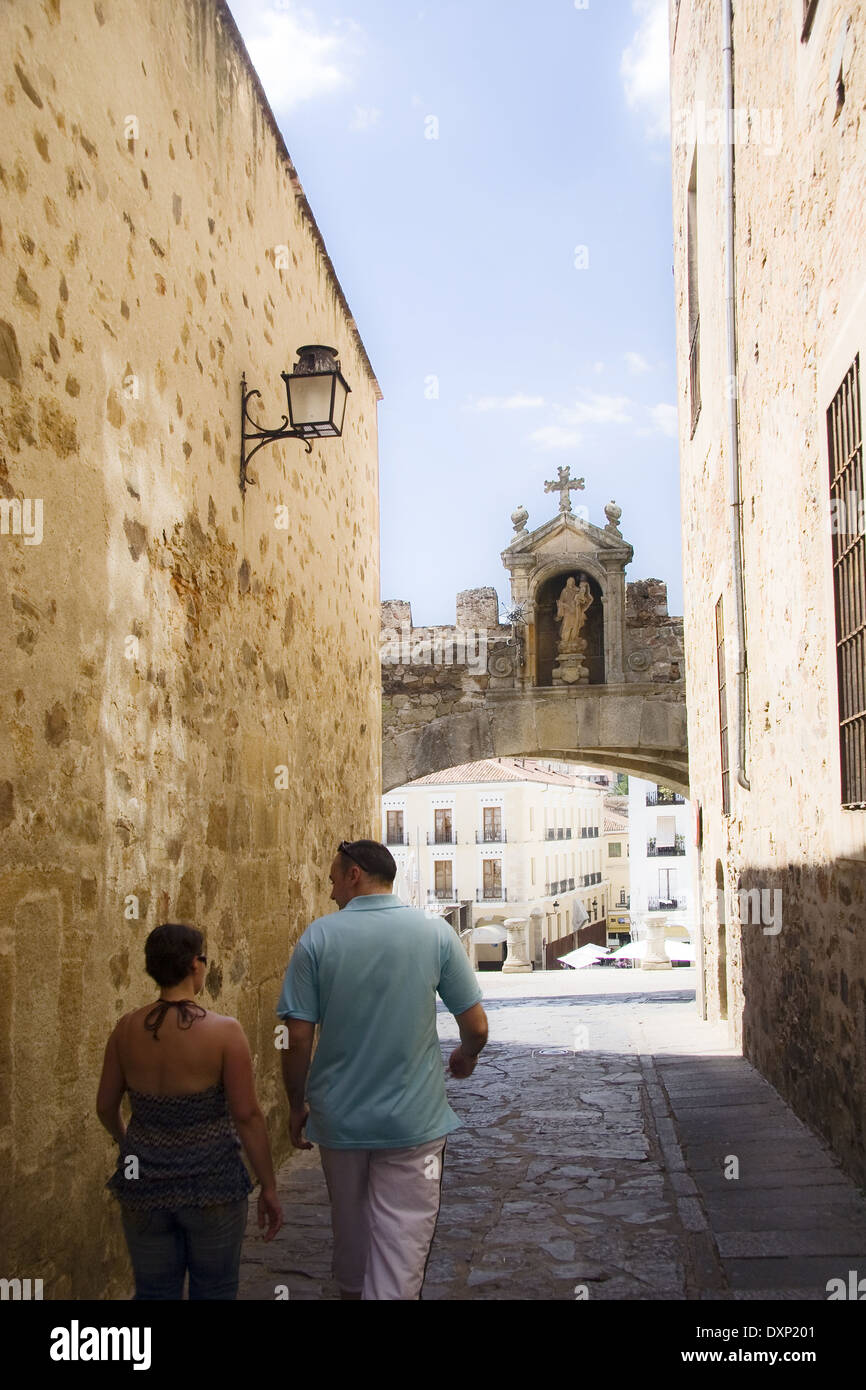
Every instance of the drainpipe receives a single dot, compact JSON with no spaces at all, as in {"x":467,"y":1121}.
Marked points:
{"x":733,"y":395}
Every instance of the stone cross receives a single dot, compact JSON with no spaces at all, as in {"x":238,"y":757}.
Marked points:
{"x":564,"y":486}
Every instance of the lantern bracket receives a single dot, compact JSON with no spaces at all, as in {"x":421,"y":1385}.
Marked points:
{"x":264,"y":436}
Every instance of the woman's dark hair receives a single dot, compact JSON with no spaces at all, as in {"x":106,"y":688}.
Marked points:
{"x":170,"y":952}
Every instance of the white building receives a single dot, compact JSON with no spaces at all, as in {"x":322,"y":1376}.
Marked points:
{"x":617,"y":870}
{"x":661,"y":858}
{"x":499,"y":839}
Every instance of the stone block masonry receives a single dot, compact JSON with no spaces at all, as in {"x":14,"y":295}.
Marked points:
{"x":796,"y":999}
{"x":189,"y":687}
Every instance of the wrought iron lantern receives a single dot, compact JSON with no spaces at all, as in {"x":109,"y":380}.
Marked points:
{"x":316,"y":392}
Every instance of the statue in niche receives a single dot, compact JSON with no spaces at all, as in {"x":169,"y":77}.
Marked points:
{"x":571,"y":610}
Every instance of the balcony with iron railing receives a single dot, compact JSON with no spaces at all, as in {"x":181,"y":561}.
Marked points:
{"x":397,"y":839}
{"x":656,"y":851}
{"x":662,"y":797}
{"x":442,"y":837}
{"x":666,"y":904}
{"x":589,"y":879}
{"x":589,"y":832}
{"x":559,"y":885}
{"x":559,"y":833}
{"x":441,"y":895}
{"x":497,"y":836}
{"x":496,"y":894}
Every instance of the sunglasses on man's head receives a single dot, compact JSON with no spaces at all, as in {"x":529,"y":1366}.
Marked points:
{"x":345,"y":848}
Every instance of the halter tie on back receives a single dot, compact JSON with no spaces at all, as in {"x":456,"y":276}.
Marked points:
{"x":187,"y":1013}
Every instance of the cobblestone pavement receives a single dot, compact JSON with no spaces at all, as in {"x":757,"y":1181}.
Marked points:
{"x":598,"y":1129}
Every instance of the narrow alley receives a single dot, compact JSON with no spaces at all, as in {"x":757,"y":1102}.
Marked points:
{"x":598,"y":1131}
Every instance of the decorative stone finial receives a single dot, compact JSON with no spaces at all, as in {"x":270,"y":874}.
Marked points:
{"x":519,"y":519}
{"x":613,"y":514}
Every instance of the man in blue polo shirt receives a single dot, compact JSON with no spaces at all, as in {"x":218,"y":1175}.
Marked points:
{"x":375,"y":1099}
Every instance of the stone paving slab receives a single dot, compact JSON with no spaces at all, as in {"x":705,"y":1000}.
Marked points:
{"x":596,"y":1171}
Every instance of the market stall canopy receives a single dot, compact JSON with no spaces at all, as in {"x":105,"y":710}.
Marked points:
{"x":680,"y":950}
{"x":487,"y":936}
{"x":584,"y":955}
{"x":633,"y":950}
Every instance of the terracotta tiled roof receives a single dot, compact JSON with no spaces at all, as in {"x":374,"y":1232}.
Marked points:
{"x":614,"y":822}
{"x":500,"y":770}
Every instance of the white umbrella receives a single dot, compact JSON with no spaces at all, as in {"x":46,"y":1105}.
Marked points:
{"x":488,"y":936}
{"x":584,"y":955}
{"x":633,"y":950}
{"x":680,"y":950}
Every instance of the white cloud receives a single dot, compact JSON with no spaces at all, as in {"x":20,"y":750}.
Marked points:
{"x":598,"y":409}
{"x":598,"y":366}
{"x":636,"y":363}
{"x":665,"y":418}
{"x":555,"y":437}
{"x":516,"y":402}
{"x":365,"y":117}
{"x":294,"y":57}
{"x":645,"y":67}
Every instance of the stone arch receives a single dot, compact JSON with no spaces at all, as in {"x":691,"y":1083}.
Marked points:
{"x":642,"y":732}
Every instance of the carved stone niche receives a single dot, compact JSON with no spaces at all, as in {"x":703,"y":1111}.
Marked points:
{"x":547,"y":629}
{"x":540,"y":563}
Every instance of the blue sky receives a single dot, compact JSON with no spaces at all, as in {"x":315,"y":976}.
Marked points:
{"x":493,"y":184}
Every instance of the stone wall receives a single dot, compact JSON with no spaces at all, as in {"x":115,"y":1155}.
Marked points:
{"x":654,"y":647}
{"x":796,"y":997}
{"x":170,"y":645}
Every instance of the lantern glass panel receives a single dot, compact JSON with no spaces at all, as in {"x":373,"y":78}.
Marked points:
{"x":310,"y":400}
{"x":341,"y":392}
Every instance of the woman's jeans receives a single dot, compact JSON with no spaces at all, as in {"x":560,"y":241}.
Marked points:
{"x":206,"y":1241}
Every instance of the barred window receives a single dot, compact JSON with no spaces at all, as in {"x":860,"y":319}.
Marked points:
{"x":723,"y":706}
{"x":845,"y":452}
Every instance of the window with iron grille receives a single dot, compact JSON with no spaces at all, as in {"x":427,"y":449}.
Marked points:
{"x":845,"y":451}
{"x":723,"y":706}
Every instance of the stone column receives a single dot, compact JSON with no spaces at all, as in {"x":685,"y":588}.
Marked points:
{"x":656,"y":957}
{"x":520,"y":567}
{"x":614,"y":619}
{"x":536,"y":929}
{"x":516,"y":962}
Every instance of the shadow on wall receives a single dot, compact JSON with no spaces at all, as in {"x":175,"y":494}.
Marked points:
{"x":803,"y":946}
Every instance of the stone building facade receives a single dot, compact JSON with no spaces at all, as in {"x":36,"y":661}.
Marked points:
{"x":176,"y":655}
{"x":499,"y":839}
{"x":770,"y":430}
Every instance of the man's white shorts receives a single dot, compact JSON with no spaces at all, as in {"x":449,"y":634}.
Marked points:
{"x":384,"y":1205}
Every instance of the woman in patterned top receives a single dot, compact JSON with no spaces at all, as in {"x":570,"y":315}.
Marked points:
{"x":180,"y":1179}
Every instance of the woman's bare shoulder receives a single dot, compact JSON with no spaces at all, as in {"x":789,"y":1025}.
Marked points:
{"x":226,"y":1021}
{"x":130,"y":1016}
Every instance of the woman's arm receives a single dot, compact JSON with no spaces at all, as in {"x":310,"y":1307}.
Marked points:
{"x":240,"y":1089}
{"x":112,"y":1086}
